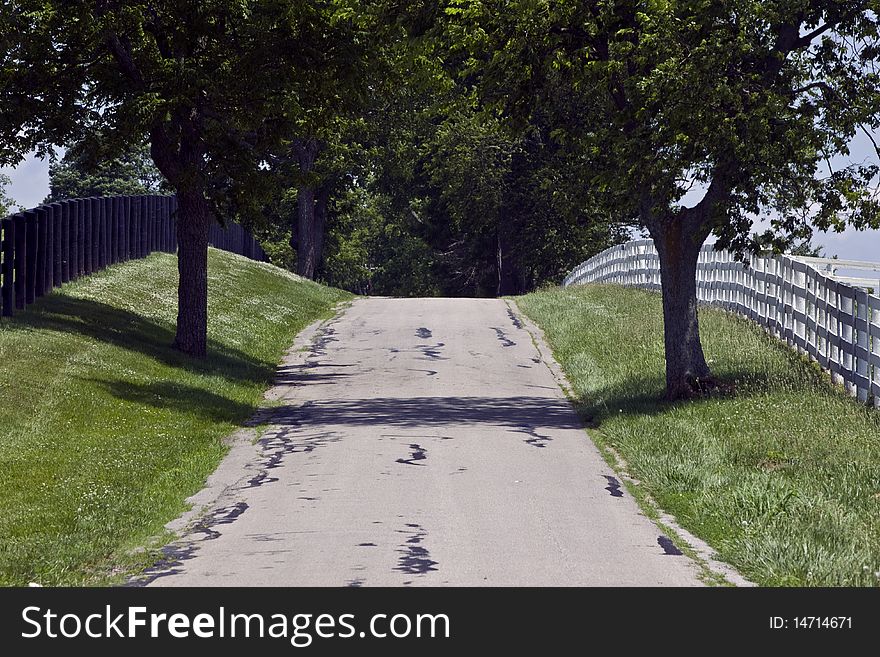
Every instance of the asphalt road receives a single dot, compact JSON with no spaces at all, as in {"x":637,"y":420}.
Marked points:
{"x":421,"y":442}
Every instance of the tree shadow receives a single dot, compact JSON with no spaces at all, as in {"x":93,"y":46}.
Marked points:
{"x":305,"y":373}
{"x":127,"y":330}
{"x":429,"y":412}
{"x":180,"y":398}
{"x":645,"y":396}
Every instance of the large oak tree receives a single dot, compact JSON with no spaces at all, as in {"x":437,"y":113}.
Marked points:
{"x":748,"y":101}
{"x":205,"y":81}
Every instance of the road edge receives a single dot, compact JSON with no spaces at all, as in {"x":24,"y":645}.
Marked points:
{"x":715,"y":572}
{"x":241,"y":462}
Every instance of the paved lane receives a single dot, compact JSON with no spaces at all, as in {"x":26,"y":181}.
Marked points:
{"x":423,"y":442}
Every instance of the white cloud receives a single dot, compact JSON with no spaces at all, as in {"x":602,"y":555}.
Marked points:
{"x":30,"y":181}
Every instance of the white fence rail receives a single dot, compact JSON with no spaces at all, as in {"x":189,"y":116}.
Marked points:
{"x":836,"y":324}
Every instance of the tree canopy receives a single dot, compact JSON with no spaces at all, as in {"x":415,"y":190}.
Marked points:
{"x":473,"y":147}
{"x":207,"y":83}
{"x":76,"y":175}
{"x":747,"y":100}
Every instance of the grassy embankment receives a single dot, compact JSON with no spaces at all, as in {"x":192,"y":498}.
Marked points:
{"x":105,"y":430}
{"x":782,"y":478}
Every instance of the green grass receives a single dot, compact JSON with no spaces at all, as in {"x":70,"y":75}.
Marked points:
{"x":782,"y":477}
{"x":105,"y":430}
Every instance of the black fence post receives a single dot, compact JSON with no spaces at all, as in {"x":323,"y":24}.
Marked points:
{"x":49,"y":256}
{"x":154,"y":206}
{"x":49,"y":268}
{"x":110,"y":212}
{"x":118,"y":208}
{"x":73,"y":210}
{"x":152,"y":230}
{"x":98,"y":259}
{"x":145,"y":232}
{"x":138,"y":214}
{"x":88,"y":236}
{"x":40,"y":272}
{"x":102,"y":234}
{"x":169,"y":203}
{"x":30,"y":274}
{"x":166,"y":223}
{"x":82,"y":211}
{"x":66,"y":242}
{"x":98,"y":228}
{"x":8,"y":296}
{"x":112,"y":225}
{"x":175,"y":217}
{"x":131,"y":240}
{"x":20,"y":264}
{"x":126,"y":227}
{"x":108,"y":233}
{"x":137,"y":217}
{"x":58,"y":240}
{"x":151,"y":234}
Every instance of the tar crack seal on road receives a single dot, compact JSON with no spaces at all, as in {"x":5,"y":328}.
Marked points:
{"x":513,"y":318}
{"x":537,"y":439}
{"x":502,"y":336}
{"x":668,"y":546}
{"x":432,"y":352}
{"x":415,"y":559}
{"x":419,"y":453}
{"x":613,"y":486}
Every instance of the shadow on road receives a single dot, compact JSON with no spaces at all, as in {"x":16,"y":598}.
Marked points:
{"x":515,"y":412}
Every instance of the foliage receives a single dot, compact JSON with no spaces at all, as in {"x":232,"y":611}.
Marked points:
{"x":745,"y":98}
{"x":131,"y":173}
{"x":373,"y":249}
{"x":213,"y":86}
{"x":42,"y":95}
{"x":7,"y":204}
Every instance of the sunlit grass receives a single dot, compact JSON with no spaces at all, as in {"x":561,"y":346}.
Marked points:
{"x":782,"y":478}
{"x":105,"y":430}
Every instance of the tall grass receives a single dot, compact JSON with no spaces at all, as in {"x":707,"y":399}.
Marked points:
{"x":781,"y":477}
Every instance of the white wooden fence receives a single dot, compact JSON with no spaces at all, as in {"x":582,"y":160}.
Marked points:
{"x":836,"y":323}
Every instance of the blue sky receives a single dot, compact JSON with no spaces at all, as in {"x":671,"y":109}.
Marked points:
{"x":30,"y":185}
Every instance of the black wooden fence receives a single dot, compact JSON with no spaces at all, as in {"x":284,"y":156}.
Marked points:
{"x":50,"y":245}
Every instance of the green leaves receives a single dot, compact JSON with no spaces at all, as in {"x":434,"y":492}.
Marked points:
{"x":751,"y":96}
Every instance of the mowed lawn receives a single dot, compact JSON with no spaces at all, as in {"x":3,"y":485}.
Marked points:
{"x":782,"y":478}
{"x":105,"y":430}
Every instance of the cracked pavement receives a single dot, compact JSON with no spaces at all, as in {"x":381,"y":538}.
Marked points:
{"x":421,"y":442}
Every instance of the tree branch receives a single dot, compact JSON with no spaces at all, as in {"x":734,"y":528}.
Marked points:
{"x":871,"y":137}
{"x":124,"y":59}
{"x":824,"y":86}
{"x":807,"y":39}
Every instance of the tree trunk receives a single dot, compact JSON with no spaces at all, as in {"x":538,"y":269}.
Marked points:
{"x":305,"y":255}
{"x":508,"y":274}
{"x":498,"y":261}
{"x":306,"y":151}
{"x":179,"y":154}
{"x":193,"y":224}
{"x":322,"y":200}
{"x":294,"y":238}
{"x":687,"y":373}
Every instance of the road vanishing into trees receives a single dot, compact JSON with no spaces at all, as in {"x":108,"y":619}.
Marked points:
{"x":419,"y":442}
